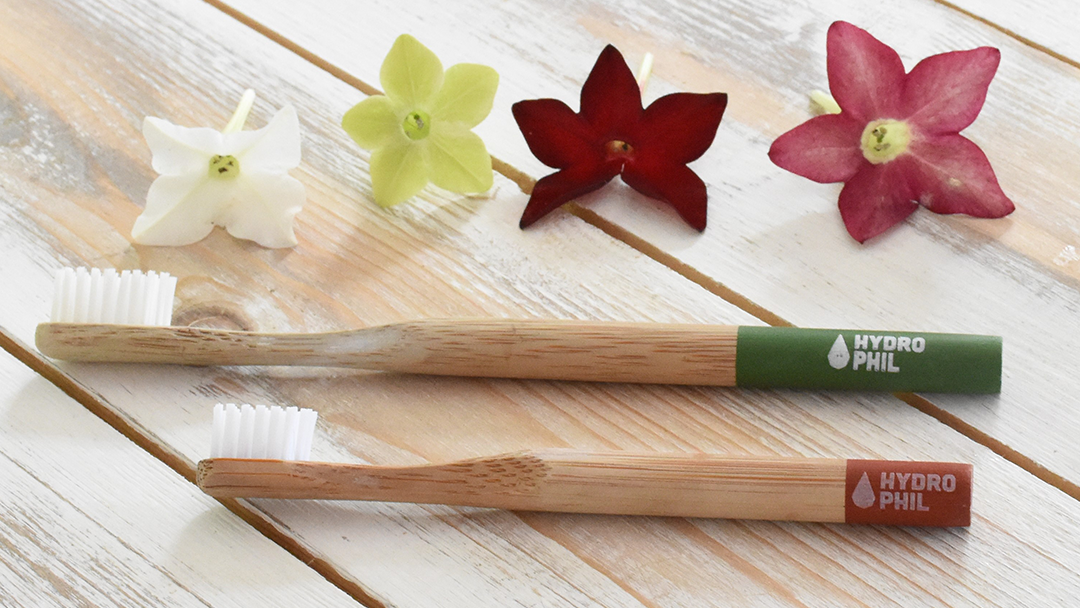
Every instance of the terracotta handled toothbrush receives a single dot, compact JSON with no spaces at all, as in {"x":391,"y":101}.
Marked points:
{"x":251,"y":444}
{"x":545,"y":349}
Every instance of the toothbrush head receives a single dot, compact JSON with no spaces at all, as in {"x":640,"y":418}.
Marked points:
{"x":107,"y":296}
{"x":261,"y":432}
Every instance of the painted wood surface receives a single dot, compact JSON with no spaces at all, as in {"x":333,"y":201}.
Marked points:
{"x":776,"y":238}
{"x":74,"y":175}
{"x":1047,"y":25}
{"x":87,"y":518}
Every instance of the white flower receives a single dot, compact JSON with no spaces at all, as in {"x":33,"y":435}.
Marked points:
{"x":235,"y":179}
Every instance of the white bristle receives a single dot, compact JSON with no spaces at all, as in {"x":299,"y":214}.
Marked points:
{"x":82,"y":295}
{"x":137,"y":305}
{"x":231,"y":446}
{"x":58,"y":291}
{"x":68,"y":301}
{"x":110,"y":283}
{"x":93,"y":309}
{"x":104,"y":296}
{"x":292,"y":430}
{"x":123,"y":297}
{"x":262,"y":432}
{"x":152,"y":290}
{"x":247,"y":431}
{"x":275,"y":448}
{"x":217,"y":439}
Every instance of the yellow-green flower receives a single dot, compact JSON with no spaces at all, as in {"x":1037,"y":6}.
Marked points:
{"x":420,"y":131}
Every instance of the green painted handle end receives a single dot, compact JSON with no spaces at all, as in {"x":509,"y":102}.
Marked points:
{"x":791,"y":357}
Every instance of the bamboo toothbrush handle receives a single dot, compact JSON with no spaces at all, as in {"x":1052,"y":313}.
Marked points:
{"x":560,"y":350}
{"x":789,"y":489}
{"x":653,"y":353}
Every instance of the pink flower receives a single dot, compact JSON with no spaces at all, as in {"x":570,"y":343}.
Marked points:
{"x":896,"y":143}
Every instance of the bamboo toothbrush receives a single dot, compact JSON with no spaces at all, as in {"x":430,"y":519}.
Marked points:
{"x":84,"y":329}
{"x":260,"y":452}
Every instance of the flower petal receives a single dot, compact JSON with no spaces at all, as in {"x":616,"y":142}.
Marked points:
{"x":824,"y":149}
{"x":876,"y":198}
{"x":411,"y":74}
{"x":180,"y":150}
{"x":180,"y":209}
{"x":679,"y":127}
{"x":865,"y":76}
{"x":610,"y":97}
{"x":398,"y":172}
{"x":944,"y":93}
{"x":951,"y":174}
{"x":556,"y":135}
{"x":458,"y":159}
{"x":675,"y":184}
{"x":466,"y":94}
{"x":373,"y":122}
{"x":262,"y":208}
{"x":274,"y":148}
{"x":552,"y":191}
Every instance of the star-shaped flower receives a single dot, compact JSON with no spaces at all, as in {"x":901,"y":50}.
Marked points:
{"x":896,"y":141}
{"x":613,"y":135}
{"x":236,"y":179}
{"x":420,"y":131}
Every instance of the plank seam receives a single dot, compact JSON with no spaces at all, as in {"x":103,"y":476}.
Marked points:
{"x":1011,"y":34}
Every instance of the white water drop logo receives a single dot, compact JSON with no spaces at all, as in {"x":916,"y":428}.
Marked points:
{"x":863,"y":496}
{"x":838,"y":354}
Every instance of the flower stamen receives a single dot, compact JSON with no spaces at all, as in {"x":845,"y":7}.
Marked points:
{"x":884,"y":140}
{"x":619,"y":148}
{"x":417,"y":125}
{"x":224,"y":167}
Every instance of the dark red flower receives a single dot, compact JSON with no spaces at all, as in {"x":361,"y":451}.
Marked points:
{"x":896,"y":141}
{"x":613,"y":134}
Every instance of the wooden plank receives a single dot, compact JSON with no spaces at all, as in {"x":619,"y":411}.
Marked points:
{"x":776,"y":238}
{"x":1047,"y":26}
{"x":89,"y":519}
{"x":359,"y":265}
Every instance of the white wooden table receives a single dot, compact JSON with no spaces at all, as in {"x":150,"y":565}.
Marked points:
{"x":93,"y":515}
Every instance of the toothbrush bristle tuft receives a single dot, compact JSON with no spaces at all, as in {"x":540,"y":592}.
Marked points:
{"x":129,"y":297}
{"x":266,"y":433}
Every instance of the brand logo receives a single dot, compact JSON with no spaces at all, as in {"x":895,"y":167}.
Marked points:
{"x":873,"y":353}
{"x":838,"y":354}
{"x":901,"y":491}
{"x":863,"y":496}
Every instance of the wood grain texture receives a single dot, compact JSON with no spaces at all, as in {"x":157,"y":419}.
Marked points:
{"x":74,"y":174}
{"x":1046,"y":26}
{"x":612,"y":483}
{"x":89,"y":519}
{"x":659,"y":353}
{"x":776,"y":238}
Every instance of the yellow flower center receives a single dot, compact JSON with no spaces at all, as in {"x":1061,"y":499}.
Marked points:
{"x":224,"y":167}
{"x":617,"y":147}
{"x":417,"y":124}
{"x":884,"y":140}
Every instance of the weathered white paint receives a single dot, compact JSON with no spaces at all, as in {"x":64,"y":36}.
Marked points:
{"x":1047,"y":24}
{"x":74,"y":202}
{"x":87,"y":518}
